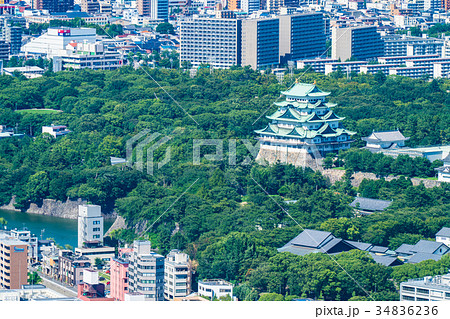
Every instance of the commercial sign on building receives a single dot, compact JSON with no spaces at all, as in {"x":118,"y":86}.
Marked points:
{"x":64,"y":32}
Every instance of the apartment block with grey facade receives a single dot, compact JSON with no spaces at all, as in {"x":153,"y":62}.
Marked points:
{"x":362,"y":43}
{"x":302,"y":36}
{"x":90,"y":224}
{"x":426,"y":289}
{"x":212,"y":41}
{"x":177,"y":275}
{"x":146,"y":271}
{"x":260,"y":42}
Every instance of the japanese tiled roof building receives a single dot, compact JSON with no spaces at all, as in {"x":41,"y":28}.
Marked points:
{"x":305,"y":121}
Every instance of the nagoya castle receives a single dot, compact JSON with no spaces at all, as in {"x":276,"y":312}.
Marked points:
{"x":303,"y":129}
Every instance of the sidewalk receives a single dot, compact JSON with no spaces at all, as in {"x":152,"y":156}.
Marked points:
{"x":58,"y":287}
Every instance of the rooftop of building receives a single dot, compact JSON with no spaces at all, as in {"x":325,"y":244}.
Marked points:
{"x":370,"y":204}
{"x":215,"y":282}
{"x":444,"y":232}
{"x":386,"y":136}
{"x":305,"y":90}
{"x":441,"y":282}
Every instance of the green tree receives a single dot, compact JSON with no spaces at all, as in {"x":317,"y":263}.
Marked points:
{"x":34,"y":278}
{"x":165,"y":28}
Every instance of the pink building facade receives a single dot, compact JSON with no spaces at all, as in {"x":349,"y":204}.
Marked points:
{"x":119,"y":278}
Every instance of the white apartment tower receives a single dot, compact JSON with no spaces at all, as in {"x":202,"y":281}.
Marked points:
{"x":177,"y":275}
{"x":212,"y":41}
{"x":146,"y":271}
{"x":90,"y":224}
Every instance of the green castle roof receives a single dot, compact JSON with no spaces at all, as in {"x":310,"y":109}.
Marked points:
{"x":291,"y":115}
{"x":325,"y":131}
{"x":304,"y":89}
{"x":305,"y":105}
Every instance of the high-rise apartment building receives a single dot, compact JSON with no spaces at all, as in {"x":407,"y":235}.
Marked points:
{"x":250,"y":6}
{"x":302,"y":36}
{"x":143,"y":7}
{"x":260,"y":42}
{"x":53,"y":5}
{"x":362,"y":43}
{"x":13,"y":36}
{"x":13,"y":263}
{"x":25,"y":236}
{"x":159,"y":9}
{"x":177,"y":275}
{"x":90,"y":6}
{"x":275,"y":5}
{"x":234,"y":5}
{"x":146,"y":271}
{"x":90,"y":224}
{"x":432,"y":5}
{"x":212,"y":41}
{"x":4,"y":50}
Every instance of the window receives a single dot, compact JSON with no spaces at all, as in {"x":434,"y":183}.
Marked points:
{"x":96,"y":229}
{"x":422,"y":291}
{"x":96,"y":236}
{"x":406,"y":288}
{"x":96,"y":222}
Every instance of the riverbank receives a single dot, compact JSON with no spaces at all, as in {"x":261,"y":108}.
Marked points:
{"x":55,"y":208}
{"x":63,"y":230}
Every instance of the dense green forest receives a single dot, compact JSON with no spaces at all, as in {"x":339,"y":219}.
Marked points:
{"x":231,"y":218}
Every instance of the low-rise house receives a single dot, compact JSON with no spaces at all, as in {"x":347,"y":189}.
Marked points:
{"x":6,"y":132}
{"x":50,"y":264}
{"x":315,"y":241}
{"x":444,"y":171}
{"x":71,"y":267}
{"x":90,"y":289}
{"x":384,"y":140}
{"x":367,"y":206}
{"x":215,"y":288}
{"x":443,"y":236}
{"x":32,"y":292}
{"x":422,"y":250}
{"x":104,"y":253}
{"x":56,"y":130}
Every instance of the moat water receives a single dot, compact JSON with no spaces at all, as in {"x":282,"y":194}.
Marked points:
{"x":62,"y":230}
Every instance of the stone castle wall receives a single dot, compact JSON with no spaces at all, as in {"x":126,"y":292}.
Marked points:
{"x":301,"y":158}
{"x":56,"y":208}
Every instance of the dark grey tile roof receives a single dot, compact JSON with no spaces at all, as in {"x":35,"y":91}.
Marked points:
{"x":444,"y":232}
{"x":299,"y":251}
{"x":386,"y":260}
{"x":427,"y":246}
{"x":310,"y":238}
{"x":417,"y":258}
{"x":371,"y":204}
{"x":359,"y":245}
{"x":405,"y":249}
{"x":378,"y":249}
{"x":332,"y":243}
{"x":387,"y":136}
